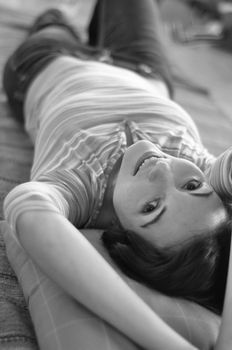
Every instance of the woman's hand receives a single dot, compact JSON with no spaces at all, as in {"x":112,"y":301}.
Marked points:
{"x":220,"y":175}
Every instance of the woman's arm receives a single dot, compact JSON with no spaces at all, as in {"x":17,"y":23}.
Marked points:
{"x":65,"y":255}
{"x":224,"y":341}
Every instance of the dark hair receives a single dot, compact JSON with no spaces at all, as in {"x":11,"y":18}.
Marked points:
{"x":195,"y":270}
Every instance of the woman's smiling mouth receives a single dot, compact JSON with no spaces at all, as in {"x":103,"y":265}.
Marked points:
{"x":146,"y":157}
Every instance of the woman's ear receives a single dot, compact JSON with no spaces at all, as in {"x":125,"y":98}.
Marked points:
{"x":116,"y":224}
{"x":113,"y":237}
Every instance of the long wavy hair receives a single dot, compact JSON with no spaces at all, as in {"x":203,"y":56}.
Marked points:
{"x":195,"y":270}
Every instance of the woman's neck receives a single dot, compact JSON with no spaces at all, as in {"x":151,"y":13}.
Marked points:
{"x":107,"y":213}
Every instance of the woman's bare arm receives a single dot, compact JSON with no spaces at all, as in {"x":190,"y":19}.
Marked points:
{"x":66,"y":256}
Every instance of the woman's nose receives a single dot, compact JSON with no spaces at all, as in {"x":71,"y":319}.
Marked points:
{"x":162,"y":170}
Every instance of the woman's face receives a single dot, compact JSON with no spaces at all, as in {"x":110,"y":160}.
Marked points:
{"x":162,"y":198}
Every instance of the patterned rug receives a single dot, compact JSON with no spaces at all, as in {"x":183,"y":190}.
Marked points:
{"x":16,"y":152}
{"x":16,"y":330}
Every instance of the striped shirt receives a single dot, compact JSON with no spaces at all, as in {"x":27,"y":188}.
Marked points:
{"x":79,"y":115}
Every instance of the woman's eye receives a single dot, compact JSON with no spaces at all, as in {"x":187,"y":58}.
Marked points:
{"x":150,"y":207}
{"x":192,"y":185}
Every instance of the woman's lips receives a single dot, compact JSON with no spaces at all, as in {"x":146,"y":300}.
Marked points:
{"x":142,"y":159}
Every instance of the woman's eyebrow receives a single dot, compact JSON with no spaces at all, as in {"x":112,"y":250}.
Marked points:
{"x":155,"y":219}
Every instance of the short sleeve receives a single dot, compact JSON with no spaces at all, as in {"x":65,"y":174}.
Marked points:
{"x":34,"y":196}
{"x":73,"y":194}
{"x":82,"y":189}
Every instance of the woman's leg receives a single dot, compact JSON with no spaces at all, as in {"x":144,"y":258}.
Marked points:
{"x":46,"y":41}
{"x":130,"y":30}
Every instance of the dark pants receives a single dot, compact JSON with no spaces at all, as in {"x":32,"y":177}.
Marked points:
{"x":127,"y":30}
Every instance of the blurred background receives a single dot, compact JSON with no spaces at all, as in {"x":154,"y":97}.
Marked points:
{"x":198,"y":37}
